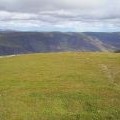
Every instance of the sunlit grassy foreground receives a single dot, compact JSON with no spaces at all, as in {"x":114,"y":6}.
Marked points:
{"x":60,"y":86}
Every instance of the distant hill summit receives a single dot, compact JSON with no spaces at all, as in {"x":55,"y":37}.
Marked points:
{"x":12,"y":42}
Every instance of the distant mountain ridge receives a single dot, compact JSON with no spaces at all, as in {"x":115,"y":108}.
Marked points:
{"x":12,"y":42}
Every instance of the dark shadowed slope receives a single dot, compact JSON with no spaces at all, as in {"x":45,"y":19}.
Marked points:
{"x":32,"y":42}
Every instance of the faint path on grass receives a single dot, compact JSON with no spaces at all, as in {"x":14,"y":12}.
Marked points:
{"x":111,"y":74}
{"x":108,"y":72}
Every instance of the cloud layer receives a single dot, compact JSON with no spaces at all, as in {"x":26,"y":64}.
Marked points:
{"x":60,"y":15}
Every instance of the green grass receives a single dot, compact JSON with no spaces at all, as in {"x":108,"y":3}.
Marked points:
{"x":60,"y":86}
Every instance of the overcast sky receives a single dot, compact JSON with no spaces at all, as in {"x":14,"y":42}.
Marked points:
{"x":60,"y":15}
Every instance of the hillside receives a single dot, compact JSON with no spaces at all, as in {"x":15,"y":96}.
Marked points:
{"x":34,"y":42}
{"x":60,"y":86}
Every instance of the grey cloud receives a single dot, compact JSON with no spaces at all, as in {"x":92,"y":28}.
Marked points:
{"x":60,"y":13}
{"x":37,"y":5}
{"x":84,"y":8}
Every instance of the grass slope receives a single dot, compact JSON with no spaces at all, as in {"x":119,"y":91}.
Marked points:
{"x":60,"y":86}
